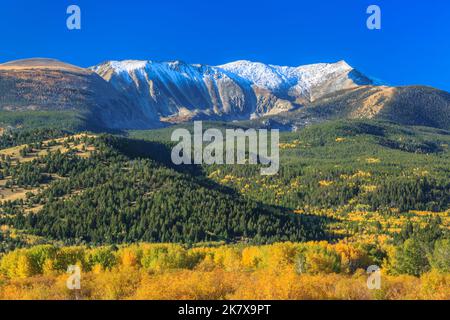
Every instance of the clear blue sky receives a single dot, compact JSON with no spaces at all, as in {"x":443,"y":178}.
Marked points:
{"x":413,"y":46}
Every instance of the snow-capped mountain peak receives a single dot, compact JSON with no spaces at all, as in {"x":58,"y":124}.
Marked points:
{"x":260,"y":74}
{"x":274,"y":77}
{"x":124,"y":66}
{"x":236,"y":90}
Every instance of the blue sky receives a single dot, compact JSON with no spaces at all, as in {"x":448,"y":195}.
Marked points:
{"x":413,"y":46}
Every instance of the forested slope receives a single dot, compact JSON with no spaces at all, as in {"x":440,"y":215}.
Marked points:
{"x":119,"y":194}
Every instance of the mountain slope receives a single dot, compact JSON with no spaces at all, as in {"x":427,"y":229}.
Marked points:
{"x":50,"y":85}
{"x":106,"y":189}
{"x":135,"y":94}
{"x":306,"y":83}
{"x":177,"y":91}
{"x":295,"y":96}
{"x":409,"y":105}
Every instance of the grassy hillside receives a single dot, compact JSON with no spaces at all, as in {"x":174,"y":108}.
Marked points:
{"x":40,"y":90}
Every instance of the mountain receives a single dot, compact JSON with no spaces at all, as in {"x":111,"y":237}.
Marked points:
{"x":51,"y":85}
{"x":176,"y":91}
{"x":304,"y":83}
{"x":135,"y":94}
{"x":409,"y":105}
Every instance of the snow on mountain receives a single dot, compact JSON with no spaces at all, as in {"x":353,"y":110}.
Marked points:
{"x":301,"y":79}
{"x":135,"y":94}
{"x":127,"y":66}
{"x":262,"y":75}
{"x":177,"y":91}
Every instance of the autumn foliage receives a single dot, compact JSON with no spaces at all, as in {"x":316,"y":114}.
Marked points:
{"x":315,"y":270}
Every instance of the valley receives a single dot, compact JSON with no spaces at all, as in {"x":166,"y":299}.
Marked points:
{"x":359,"y":182}
{"x":87,"y":179}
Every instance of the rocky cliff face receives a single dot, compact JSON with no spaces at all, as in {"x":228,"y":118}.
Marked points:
{"x":176,"y":91}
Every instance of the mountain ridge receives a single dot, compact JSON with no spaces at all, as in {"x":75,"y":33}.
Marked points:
{"x":243,"y":88}
{"x":144,"y":94}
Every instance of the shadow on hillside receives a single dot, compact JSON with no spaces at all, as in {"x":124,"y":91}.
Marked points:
{"x":161,"y":154}
{"x":156,"y":151}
